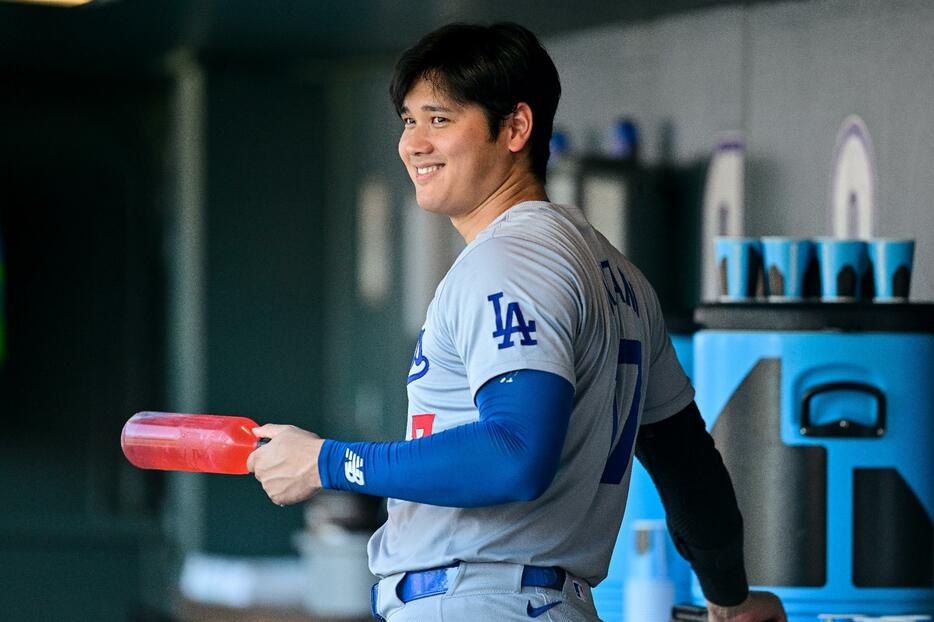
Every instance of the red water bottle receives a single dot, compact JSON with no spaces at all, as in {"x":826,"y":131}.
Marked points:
{"x":180,"y":442}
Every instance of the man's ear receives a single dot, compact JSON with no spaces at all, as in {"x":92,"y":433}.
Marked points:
{"x":519,"y":127}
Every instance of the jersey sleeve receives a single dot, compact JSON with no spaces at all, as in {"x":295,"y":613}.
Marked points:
{"x":510,"y":304}
{"x":669,"y":390}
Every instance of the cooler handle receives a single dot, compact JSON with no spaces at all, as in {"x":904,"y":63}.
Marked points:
{"x":843,"y":427}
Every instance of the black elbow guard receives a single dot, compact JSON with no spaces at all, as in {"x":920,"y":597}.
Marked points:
{"x":699,"y":501}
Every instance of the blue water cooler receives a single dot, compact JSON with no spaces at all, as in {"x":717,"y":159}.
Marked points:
{"x":824,"y":415}
{"x":644,"y":504}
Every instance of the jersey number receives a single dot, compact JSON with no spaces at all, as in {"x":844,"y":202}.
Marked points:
{"x":630,"y":353}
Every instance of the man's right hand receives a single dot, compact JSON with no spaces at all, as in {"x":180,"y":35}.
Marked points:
{"x":758,"y":607}
{"x":287,"y":466}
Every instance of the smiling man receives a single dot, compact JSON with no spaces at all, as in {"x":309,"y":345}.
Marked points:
{"x":458,"y":167}
{"x":542,"y":358}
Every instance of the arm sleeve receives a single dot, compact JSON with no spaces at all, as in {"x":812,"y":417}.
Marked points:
{"x":511,"y":454}
{"x":700,"y":504}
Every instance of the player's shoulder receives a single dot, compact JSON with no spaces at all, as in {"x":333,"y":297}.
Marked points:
{"x":531,"y":241}
{"x":531,"y":230}
{"x":537,"y":220}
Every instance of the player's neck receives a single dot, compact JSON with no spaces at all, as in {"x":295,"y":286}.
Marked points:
{"x":516,"y":189}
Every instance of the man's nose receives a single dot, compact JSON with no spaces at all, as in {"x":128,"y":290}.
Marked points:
{"x":415,"y":141}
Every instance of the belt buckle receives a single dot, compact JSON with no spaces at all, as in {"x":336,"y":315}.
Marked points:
{"x":548,"y":577}
{"x":424,"y":583}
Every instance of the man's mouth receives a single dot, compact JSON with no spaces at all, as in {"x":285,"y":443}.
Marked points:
{"x":422,"y":172}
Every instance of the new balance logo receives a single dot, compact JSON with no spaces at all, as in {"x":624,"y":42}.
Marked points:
{"x":353,"y":467}
{"x":515,"y":323}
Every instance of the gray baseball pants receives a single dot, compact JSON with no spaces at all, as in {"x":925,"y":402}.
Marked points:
{"x":489,"y":591}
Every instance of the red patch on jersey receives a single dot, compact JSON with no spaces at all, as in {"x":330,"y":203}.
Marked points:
{"x":421,"y":425}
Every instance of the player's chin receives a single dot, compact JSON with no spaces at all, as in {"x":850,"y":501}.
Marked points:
{"x":428,"y":202}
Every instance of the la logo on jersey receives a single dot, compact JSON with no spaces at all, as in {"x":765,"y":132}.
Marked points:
{"x":515,"y":323}
{"x":353,"y":467}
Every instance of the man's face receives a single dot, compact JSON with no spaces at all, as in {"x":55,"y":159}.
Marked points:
{"x":447,"y":152}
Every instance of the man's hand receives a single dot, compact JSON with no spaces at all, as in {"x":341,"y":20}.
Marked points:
{"x":287,"y":466}
{"x":758,"y":607}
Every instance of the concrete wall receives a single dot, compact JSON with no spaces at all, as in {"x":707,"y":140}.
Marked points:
{"x":786,"y":75}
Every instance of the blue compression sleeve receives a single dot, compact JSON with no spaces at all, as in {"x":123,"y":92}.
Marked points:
{"x":511,"y":454}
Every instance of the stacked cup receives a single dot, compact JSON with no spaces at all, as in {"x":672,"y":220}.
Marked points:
{"x":784,"y":269}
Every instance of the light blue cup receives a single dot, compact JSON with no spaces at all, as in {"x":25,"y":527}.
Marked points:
{"x":891,"y":268}
{"x":739,"y":263}
{"x":843,"y":266}
{"x":786,"y":262}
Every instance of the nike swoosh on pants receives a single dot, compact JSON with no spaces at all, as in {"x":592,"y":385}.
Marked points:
{"x":534,"y":612}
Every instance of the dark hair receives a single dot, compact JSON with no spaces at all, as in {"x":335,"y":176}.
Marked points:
{"x":495,"y":67}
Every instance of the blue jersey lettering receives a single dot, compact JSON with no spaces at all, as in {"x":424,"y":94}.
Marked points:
{"x":625,"y":293}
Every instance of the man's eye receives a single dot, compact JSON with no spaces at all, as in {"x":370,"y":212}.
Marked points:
{"x":407,"y":121}
{"x":438,"y":120}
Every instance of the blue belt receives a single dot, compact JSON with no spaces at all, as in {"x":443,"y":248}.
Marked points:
{"x":425,"y":583}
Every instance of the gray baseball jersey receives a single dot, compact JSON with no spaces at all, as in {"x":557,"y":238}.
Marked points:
{"x":539,"y":288}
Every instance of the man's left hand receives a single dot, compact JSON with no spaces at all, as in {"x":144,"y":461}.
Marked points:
{"x":286,"y":466}
{"x":758,"y":607}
